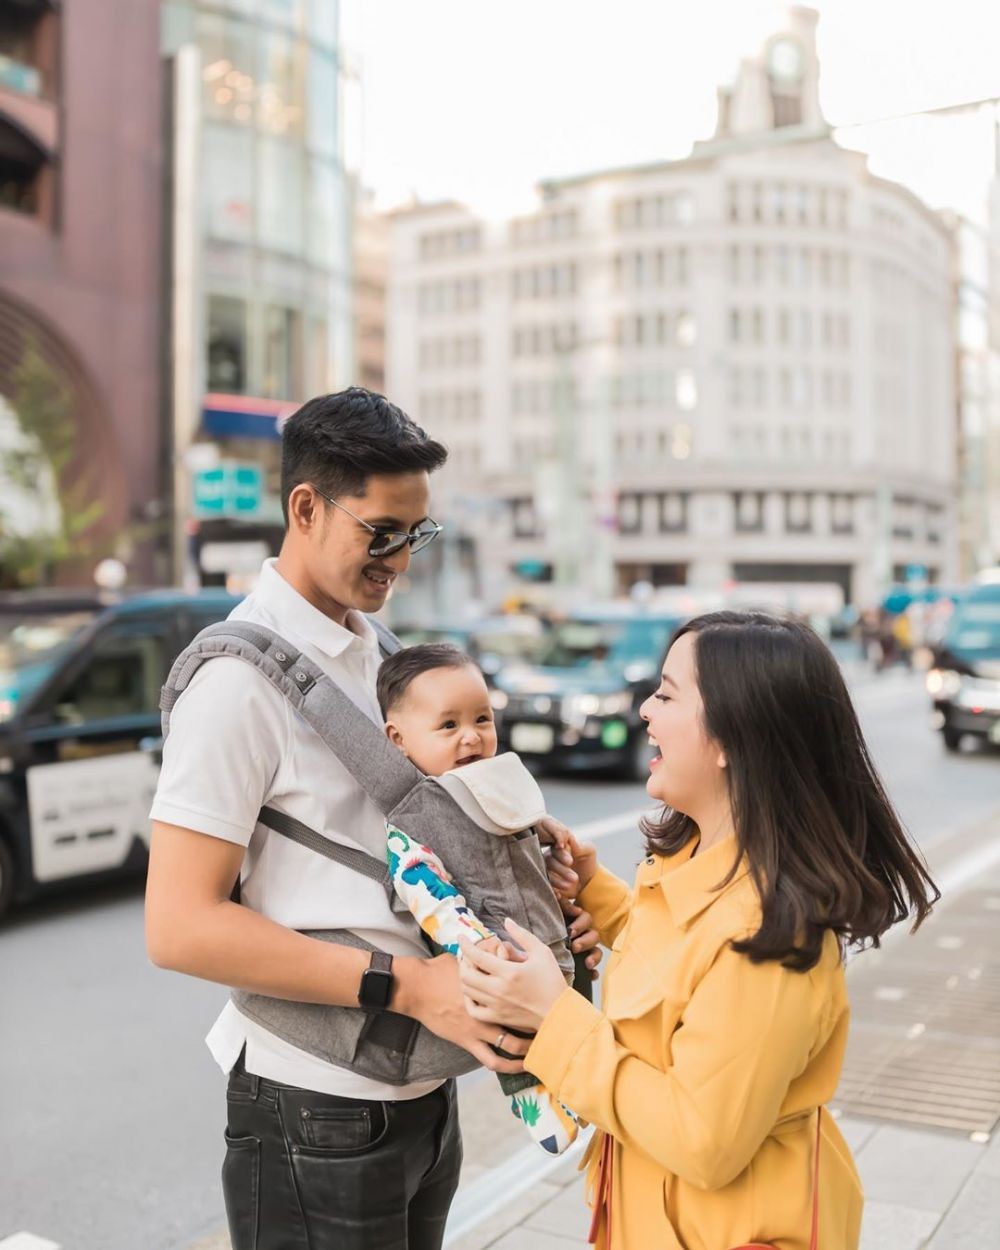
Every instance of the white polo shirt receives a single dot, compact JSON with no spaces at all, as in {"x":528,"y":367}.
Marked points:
{"x":236,"y":745}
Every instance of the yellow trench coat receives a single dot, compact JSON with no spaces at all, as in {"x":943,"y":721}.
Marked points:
{"x":705,"y":1068}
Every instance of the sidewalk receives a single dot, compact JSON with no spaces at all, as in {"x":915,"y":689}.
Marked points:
{"x":923,"y":1062}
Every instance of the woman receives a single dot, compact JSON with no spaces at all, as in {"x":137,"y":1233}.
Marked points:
{"x":725,"y":1011}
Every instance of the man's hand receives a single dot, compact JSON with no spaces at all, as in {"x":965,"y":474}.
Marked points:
{"x":429,"y":990}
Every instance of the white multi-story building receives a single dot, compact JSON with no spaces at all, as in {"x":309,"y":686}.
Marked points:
{"x":739,"y":365}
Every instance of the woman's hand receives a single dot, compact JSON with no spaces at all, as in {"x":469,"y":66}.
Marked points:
{"x":582,"y":934}
{"x":571,"y":865}
{"x":519,"y":992}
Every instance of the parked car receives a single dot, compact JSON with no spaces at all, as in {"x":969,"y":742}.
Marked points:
{"x":493,"y":642}
{"x":80,"y":680}
{"x":577,"y":705}
{"x":964,"y":682}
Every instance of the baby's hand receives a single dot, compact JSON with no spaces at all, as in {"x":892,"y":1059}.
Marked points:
{"x":502,"y":950}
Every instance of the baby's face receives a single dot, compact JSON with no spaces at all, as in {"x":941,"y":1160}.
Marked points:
{"x":444,"y":720}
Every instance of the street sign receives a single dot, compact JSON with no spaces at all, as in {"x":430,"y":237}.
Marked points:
{"x":228,"y":490}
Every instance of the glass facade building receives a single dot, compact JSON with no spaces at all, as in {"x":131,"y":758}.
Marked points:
{"x":275,"y":202}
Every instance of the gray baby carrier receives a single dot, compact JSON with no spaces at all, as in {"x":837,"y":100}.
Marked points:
{"x":509,"y":870}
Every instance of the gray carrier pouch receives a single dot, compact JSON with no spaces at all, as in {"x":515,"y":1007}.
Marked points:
{"x":509,"y":881}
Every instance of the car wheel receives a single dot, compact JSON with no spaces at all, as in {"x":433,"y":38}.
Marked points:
{"x":952,"y":739}
{"x":6,"y":876}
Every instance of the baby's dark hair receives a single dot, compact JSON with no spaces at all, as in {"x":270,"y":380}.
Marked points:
{"x":399,"y":670}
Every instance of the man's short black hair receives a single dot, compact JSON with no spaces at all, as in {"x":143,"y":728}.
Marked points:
{"x":336,"y":442}
{"x":399,"y":670}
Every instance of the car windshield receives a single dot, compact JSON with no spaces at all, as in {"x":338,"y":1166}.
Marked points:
{"x":30,"y":645}
{"x":976,"y":627}
{"x":579,"y":644}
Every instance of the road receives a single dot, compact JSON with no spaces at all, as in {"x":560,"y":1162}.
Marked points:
{"x":111,"y":1125}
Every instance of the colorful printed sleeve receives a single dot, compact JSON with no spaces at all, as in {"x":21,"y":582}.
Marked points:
{"x":424,"y":885}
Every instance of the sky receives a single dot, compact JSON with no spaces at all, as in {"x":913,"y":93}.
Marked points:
{"x":477,"y":100}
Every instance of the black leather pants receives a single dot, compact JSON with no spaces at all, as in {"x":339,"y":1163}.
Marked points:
{"x":307,"y":1171}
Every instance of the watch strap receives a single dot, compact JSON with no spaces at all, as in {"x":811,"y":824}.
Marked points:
{"x":380,"y":961}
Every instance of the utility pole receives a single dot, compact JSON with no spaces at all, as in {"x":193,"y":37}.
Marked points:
{"x":186,"y":358}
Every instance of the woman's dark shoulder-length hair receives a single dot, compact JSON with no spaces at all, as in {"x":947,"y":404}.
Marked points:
{"x":824,"y":846}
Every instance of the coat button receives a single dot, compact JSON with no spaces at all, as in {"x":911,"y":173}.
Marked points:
{"x":300,"y":677}
{"x":280,"y":656}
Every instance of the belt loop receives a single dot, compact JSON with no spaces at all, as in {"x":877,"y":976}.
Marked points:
{"x":254,"y":1085}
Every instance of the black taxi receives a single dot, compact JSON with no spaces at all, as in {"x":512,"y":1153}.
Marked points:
{"x":80,"y":678}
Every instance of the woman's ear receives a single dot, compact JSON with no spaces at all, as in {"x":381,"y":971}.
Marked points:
{"x":722,"y":761}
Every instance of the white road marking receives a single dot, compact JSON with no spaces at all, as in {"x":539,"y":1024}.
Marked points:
{"x":591,"y":830}
{"x":27,"y":1241}
{"x":498,"y":1187}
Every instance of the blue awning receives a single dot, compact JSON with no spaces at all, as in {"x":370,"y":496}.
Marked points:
{"x":242,"y":416}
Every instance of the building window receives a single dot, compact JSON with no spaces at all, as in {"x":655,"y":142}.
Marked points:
{"x":326,"y":207}
{"x":282,"y":353}
{"x":673,"y":513}
{"x":798,"y":513}
{"x":686,"y":390}
{"x":686,"y":329}
{"x":227,"y":344}
{"x":227,"y":182}
{"x":748,"y":511}
{"x":22,"y":172}
{"x":230,"y":73}
{"x":842,"y":514}
{"x":19,"y":48}
{"x":322,"y":120}
{"x":525,"y":520}
{"x":681,"y":442}
{"x":279,"y":195}
{"x":630,"y":513}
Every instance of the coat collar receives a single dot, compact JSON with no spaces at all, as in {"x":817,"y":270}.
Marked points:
{"x":689,"y":885}
{"x":292,"y":612}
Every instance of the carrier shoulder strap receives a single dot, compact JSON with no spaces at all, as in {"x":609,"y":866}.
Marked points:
{"x":360,"y":861}
{"x":379,"y":768}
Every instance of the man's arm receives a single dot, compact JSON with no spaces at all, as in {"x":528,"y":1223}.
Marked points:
{"x":193,"y":927}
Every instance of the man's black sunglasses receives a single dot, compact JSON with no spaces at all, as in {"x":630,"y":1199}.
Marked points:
{"x":385,"y":541}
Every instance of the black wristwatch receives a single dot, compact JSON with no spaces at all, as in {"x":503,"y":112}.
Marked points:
{"x":375,"y":989}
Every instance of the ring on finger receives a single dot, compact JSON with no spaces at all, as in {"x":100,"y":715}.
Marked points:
{"x":498,"y":1044}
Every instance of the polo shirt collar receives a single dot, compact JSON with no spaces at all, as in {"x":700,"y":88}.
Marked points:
{"x":690,"y":885}
{"x":308,"y":623}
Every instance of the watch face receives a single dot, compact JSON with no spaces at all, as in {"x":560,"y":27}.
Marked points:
{"x":376,"y":989}
{"x":784,"y":60}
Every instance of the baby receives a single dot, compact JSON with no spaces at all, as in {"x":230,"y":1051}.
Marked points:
{"x":438,"y":713}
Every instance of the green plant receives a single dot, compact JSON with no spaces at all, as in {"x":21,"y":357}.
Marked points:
{"x":42,"y":408}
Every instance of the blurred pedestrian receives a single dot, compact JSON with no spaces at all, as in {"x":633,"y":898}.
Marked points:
{"x":902,"y":633}
{"x":725,"y":1013}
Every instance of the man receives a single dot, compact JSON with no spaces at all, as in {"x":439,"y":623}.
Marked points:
{"x":318,"y":1157}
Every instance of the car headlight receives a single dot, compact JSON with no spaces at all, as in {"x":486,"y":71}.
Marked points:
{"x":577,"y":707}
{"x":943,"y":683}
